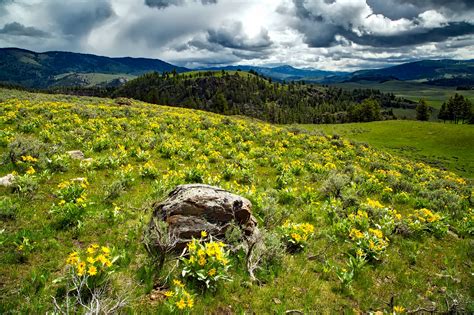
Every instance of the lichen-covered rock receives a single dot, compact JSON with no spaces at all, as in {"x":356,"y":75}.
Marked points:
{"x":76,"y":154}
{"x":7,"y":180}
{"x":190,"y":209}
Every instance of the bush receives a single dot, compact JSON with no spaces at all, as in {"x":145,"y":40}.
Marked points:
{"x":25,"y":185}
{"x":26,"y":146}
{"x":8,"y":209}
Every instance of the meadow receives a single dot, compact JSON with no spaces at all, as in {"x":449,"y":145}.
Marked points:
{"x":434,"y":95}
{"x":445,"y":145}
{"x":347,"y":227}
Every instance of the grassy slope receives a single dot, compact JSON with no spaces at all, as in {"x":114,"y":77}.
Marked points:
{"x":416,"y":271}
{"x":434,"y":95}
{"x":446,"y":145}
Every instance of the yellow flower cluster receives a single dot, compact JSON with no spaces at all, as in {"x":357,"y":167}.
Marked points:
{"x":179,"y":298}
{"x":201,"y":254}
{"x":297,"y":233}
{"x":207,"y":262}
{"x":96,"y":259}
{"x":28,"y":158}
{"x":426,"y":215}
{"x":374,"y":204}
{"x":355,"y":234}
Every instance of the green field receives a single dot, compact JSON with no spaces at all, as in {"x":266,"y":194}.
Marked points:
{"x":345,"y":227}
{"x":434,"y":95}
{"x":445,"y":145}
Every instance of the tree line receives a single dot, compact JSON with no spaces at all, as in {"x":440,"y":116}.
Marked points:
{"x":253,"y":95}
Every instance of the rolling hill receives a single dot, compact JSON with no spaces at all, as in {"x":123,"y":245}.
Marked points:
{"x":438,"y":72}
{"x":42,"y":70}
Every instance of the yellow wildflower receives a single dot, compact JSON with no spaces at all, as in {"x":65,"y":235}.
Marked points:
{"x":92,"y":271}
{"x":169,"y":293}
{"x":190,"y":303}
{"x":105,"y":250}
{"x":178,"y":283}
{"x":356,"y":234}
{"x":30,"y":170}
{"x":376,"y":232}
{"x":398,"y":309}
{"x":203,"y":234}
{"x":211,"y":272}
{"x":181,"y":304}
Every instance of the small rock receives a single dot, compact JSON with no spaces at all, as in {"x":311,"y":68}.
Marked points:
{"x":276,"y":301}
{"x":7,"y":180}
{"x":76,"y":154}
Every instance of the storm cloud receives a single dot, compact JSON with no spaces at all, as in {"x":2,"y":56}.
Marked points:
{"x":324,"y":34}
{"x":163,"y":4}
{"x":17,"y":29}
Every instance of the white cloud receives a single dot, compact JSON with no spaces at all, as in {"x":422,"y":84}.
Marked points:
{"x":325,"y":34}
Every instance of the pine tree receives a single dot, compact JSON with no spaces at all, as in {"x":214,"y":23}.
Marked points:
{"x":422,"y":111}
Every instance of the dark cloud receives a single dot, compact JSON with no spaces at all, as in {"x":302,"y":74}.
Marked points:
{"x":17,"y":29}
{"x":163,"y":4}
{"x":457,"y":5}
{"x":395,"y":9}
{"x":321,"y":29}
{"x":232,"y":35}
{"x":78,"y":18}
{"x":3,"y":6}
{"x":438,"y":34}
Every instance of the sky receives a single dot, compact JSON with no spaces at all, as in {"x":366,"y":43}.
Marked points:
{"x":342,"y":35}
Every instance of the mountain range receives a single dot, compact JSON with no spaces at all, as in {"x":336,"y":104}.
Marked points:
{"x":50,"y":69}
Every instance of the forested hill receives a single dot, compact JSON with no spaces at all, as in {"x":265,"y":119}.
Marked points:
{"x":42,"y":70}
{"x":242,"y":93}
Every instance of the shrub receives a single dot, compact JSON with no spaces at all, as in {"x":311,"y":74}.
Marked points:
{"x":59,"y":163}
{"x":159,"y":242}
{"x":265,"y":255}
{"x":25,"y":185}
{"x":26,"y":146}
{"x":8,"y":209}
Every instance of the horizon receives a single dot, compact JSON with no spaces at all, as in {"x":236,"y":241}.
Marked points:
{"x":234,"y":65}
{"x":329,"y":35}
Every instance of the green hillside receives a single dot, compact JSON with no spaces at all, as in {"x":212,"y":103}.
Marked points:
{"x":445,"y":145}
{"x":347,"y":228}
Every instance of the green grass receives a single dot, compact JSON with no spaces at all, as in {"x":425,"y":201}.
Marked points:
{"x":445,"y":145}
{"x":287,"y":173}
{"x":91,"y":79}
{"x":434,"y":95}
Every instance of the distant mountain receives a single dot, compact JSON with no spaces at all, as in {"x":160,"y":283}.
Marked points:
{"x":55,"y":68}
{"x":438,"y":72}
{"x":288,"y":73}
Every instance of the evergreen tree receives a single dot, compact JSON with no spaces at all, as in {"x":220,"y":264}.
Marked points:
{"x":443,"y":112}
{"x":422,"y":111}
